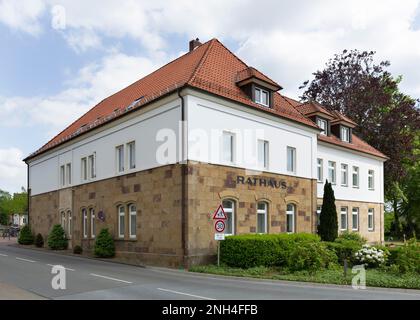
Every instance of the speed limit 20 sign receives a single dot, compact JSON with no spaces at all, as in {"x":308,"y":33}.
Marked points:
{"x":219,"y":226}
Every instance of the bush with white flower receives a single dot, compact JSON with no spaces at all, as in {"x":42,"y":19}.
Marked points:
{"x":370,"y":256}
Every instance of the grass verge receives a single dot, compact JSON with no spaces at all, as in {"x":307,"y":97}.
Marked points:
{"x":374,"y":277}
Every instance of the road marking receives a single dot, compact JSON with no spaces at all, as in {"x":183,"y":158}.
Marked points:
{"x":27,"y":260}
{"x":186,"y":294}
{"x":3,"y":255}
{"x":53,"y":265}
{"x":109,"y":278}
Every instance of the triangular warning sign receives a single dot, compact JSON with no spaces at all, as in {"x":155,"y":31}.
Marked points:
{"x":219,"y":214}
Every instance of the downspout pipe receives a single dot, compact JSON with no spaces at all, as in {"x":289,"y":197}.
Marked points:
{"x":27,"y":191}
{"x":184,"y":190}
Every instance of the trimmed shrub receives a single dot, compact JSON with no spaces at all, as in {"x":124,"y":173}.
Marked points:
{"x":344,"y":249}
{"x":352,"y":236}
{"x":407,"y":257}
{"x":104,"y":245}
{"x":310,"y":256}
{"x":77,"y":250}
{"x":328,"y":224}
{"x":255,"y":250}
{"x":39,"y":240}
{"x":25,"y":236}
{"x":57,"y":239}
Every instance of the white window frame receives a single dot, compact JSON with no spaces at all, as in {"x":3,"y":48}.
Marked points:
{"x":231,"y":159}
{"x":92,"y":223}
{"x":84,"y":168}
{"x":344,"y":173}
{"x":318,"y":214}
{"x":69,"y":224}
{"x":291,"y":151}
{"x":320,"y":170}
{"x":332,"y":167}
{"x":68,"y":174}
{"x":371,"y":216}
{"x":323,"y":124}
{"x":119,"y":156}
{"x":263,"y":154}
{"x":121,"y":214}
{"x":62,"y":175}
{"x":230,"y":211}
{"x":264,"y":212}
{"x":371,"y":178}
{"x":130,"y":214}
{"x":291,"y":213}
{"x":344,"y":211}
{"x":85,"y":222}
{"x":345,"y":134}
{"x":355,"y":212}
{"x":260,"y":101}
{"x":131,"y":155}
{"x":63,"y":220}
{"x":356,"y":171}
{"x":92,"y":166}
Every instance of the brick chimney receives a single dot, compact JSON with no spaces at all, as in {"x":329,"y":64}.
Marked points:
{"x":194,"y":44}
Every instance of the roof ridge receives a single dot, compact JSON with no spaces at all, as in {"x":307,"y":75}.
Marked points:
{"x":200,"y":63}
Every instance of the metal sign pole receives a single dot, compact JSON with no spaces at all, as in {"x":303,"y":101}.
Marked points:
{"x":218,"y":253}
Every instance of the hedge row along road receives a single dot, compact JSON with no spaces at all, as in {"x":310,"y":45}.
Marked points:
{"x":30,"y":270}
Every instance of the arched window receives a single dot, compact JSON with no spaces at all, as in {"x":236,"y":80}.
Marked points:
{"x":92,"y":223}
{"x":133,"y":220}
{"x":84,"y":223}
{"x":121,"y":221}
{"x":63,"y":220}
{"x":69,"y":226}
{"x":290,"y":218}
{"x":262,"y":217}
{"x":229,"y":208}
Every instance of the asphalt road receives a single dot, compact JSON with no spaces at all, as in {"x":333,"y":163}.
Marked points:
{"x":30,"y":270}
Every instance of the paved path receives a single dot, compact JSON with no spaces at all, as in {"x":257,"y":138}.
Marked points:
{"x":30,"y":270}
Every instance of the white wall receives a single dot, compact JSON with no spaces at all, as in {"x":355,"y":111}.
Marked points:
{"x":44,"y":172}
{"x":207,"y":120}
{"x":365,"y":163}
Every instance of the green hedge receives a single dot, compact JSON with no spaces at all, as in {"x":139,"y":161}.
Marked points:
{"x":406,"y":258}
{"x":293,"y":251}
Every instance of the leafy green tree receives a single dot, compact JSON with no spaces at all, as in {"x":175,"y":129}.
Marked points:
{"x":104,"y":245}
{"x":57,"y":239}
{"x":25,"y":236}
{"x":328,"y":224}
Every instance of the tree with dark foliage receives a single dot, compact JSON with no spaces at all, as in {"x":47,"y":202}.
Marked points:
{"x":388,"y":119}
{"x":328,"y":224}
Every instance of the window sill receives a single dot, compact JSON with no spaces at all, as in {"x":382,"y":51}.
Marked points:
{"x":126,"y":240}
{"x":355,"y":187}
{"x":371,"y":189}
{"x":371,"y":230}
{"x":345,"y":185}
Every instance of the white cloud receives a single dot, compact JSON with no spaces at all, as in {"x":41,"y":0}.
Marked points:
{"x":22,"y":15}
{"x":12,"y":170}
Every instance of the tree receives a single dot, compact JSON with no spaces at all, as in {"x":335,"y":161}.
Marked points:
{"x":388,"y":119}
{"x":25,"y":236}
{"x":5,"y":198}
{"x":328,"y":224}
{"x":104,"y":245}
{"x":57,"y":239}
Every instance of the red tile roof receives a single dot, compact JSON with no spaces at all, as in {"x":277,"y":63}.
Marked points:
{"x":210,"y":67}
{"x":251,"y":72}
{"x":339,"y":117}
{"x":312,"y":107}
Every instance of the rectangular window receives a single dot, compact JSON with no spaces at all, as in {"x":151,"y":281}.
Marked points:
{"x":323,"y":124}
{"x":262,"y":217}
{"x":263,"y":154}
{"x":229,"y":208}
{"x":344,"y":174}
{"x":371,"y":180}
{"x":371,"y":219}
{"x":355,"y":219}
{"x":62,"y":176}
{"x":121,"y":221}
{"x":262,"y":96}
{"x":120,"y":158}
{"x":92,"y":166}
{"x":132,"y":154}
{"x":345,"y":134}
{"x":133,"y":221}
{"x":331,"y":171}
{"x":320,"y":170}
{"x":68,"y":167}
{"x":84,"y":169}
{"x":355,"y":177}
{"x":84,"y":213}
{"x":318,"y":214}
{"x":291,"y":159}
{"x":343,"y":218}
{"x":69,"y":226}
{"x":228,"y":147}
{"x":92,"y":223}
{"x":290,"y":218}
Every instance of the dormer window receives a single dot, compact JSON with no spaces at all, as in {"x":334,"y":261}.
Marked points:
{"x":262,"y":96}
{"x":323,"y":124}
{"x":345,"y":134}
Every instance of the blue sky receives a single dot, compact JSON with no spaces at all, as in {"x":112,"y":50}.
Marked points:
{"x":59,"y":58}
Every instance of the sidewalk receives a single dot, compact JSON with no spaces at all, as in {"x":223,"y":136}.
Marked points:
{"x":9,"y":292}
{"x":6,"y":241}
